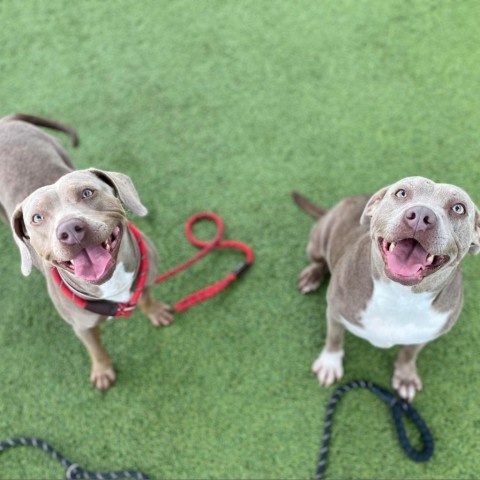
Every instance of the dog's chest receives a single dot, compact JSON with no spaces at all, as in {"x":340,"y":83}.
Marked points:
{"x":118,"y":288}
{"x":397,"y":316}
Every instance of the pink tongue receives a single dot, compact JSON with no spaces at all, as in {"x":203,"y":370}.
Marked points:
{"x":407,"y":258}
{"x":90,"y":264}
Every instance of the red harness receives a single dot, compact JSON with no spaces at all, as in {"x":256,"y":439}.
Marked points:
{"x":113,"y":309}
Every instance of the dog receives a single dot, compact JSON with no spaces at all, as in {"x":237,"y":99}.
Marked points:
{"x":73,"y":222}
{"x":394,"y":262}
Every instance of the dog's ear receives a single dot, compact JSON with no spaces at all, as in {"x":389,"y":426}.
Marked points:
{"x":123,"y":186}
{"x":475,"y":245}
{"x":21,"y":239}
{"x":372,"y":205}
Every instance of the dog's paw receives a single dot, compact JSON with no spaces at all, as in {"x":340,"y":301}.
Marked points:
{"x":311,"y":278}
{"x":328,"y":367}
{"x":102,"y":377}
{"x":160,"y":314}
{"x":406,"y":381}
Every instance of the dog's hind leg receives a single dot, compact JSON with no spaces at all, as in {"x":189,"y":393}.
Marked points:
{"x":312,"y":276}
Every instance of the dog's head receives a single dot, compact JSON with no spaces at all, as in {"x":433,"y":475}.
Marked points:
{"x":421,"y":228}
{"x":77,"y":223}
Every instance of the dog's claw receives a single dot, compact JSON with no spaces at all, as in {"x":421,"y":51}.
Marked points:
{"x":161,"y":315}
{"x":406,"y":382}
{"x":328,"y":367}
{"x":102,"y":378}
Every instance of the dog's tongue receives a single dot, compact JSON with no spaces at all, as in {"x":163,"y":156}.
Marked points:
{"x":407,"y":258}
{"x":91,"y":263}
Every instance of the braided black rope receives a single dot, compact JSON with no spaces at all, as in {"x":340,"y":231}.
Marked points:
{"x":74,"y":471}
{"x":399,"y":407}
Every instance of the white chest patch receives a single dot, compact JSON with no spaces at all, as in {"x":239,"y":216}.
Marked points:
{"x":397,"y":316}
{"x":117,"y":289}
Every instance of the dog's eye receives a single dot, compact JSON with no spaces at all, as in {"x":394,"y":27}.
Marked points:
{"x":87,"y":193}
{"x":37,"y":218}
{"x":459,"y":209}
{"x":401,"y":193}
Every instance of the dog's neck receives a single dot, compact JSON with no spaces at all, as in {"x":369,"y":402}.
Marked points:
{"x":119,"y":287}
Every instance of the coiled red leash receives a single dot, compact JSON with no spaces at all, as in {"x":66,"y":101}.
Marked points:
{"x":125,"y":310}
{"x":206,"y":247}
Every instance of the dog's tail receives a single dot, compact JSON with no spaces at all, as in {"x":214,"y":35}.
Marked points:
{"x":44,"y":122}
{"x":308,"y":206}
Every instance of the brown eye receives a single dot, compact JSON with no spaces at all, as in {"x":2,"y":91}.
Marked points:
{"x":401,"y":193}
{"x":37,"y":218}
{"x":459,"y":209}
{"x":87,"y":193}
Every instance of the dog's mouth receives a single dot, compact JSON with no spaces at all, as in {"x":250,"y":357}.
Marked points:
{"x":408,"y":262}
{"x":95,"y":263}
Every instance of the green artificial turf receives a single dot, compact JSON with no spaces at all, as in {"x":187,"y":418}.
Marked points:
{"x":228,"y":106}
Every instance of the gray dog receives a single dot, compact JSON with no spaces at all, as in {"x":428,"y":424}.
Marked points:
{"x":394,"y":263}
{"x":73,"y":222}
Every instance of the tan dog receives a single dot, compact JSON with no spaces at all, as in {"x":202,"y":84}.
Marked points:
{"x":74,"y":221}
{"x":394,"y":262}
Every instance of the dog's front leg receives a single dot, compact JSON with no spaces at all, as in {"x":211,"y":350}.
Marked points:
{"x":102,"y":375}
{"x":160,"y":314}
{"x":405,"y":377}
{"x":329,"y":365}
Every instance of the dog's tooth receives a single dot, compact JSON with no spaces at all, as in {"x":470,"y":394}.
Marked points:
{"x":392,"y":246}
{"x":430,"y":259}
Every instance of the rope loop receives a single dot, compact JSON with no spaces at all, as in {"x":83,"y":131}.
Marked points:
{"x":399,"y":408}
{"x":205,"y":247}
{"x":204,"y":216}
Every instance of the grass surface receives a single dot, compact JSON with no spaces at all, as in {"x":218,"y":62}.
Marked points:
{"x":228,"y":106}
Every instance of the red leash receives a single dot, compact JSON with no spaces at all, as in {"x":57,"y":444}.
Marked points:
{"x":125,"y":310}
{"x":206,"y":247}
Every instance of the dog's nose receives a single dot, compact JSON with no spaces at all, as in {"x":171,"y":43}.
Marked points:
{"x":420,"y":218}
{"x":71,"y":232}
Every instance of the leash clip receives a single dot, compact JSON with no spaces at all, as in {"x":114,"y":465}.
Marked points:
{"x":73,"y":472}
{"x":243,"y":267}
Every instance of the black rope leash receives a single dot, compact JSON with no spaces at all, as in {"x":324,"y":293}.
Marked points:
{"x":74,"y":471}
{"x":399,"y":407}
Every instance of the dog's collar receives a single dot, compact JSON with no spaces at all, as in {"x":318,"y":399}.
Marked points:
{"x":105,"y":307}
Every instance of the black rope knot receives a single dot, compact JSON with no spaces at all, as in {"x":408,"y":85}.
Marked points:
{"x":73,"y":472}
{"x":399,"y":407}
